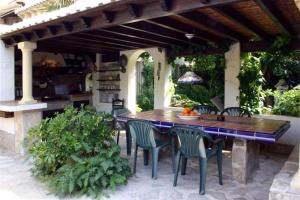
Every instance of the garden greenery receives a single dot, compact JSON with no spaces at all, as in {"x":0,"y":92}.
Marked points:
{"x":145,"y":99}
{"x":210,"y":68}
{"x":251,"y":82}
{"x":260,"y":72}
{"x":75,"y":153}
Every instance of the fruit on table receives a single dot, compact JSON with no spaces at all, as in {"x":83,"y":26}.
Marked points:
{"x":188,"y":112}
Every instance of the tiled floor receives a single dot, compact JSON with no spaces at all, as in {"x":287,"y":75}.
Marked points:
{"x":17,"y":183}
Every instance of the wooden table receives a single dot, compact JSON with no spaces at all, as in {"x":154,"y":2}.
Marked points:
{"x":245,"y":131}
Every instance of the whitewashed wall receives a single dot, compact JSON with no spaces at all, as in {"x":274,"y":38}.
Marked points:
{"x":7,"y":73}
{"x":292,"y":136}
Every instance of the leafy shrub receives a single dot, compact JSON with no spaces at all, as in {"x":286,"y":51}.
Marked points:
{"x":180,"y":100}
{"x":75,"y":153}
{"x":288,"y":102}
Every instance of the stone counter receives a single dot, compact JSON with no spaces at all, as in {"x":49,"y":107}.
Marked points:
{"x":280,"y":188}
{"x":13,"y":130}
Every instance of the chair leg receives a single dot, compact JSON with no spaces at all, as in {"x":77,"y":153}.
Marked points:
{"x":173,"y":153}
{"x":146,"y":156}
{"x":219,"y":161}
{"x":118,"y":136}
{"x":183,"y":166}
{"x":154,"y":162}
{"x":203,"y":167}
{"x":178,"y":158}
{"x":135,"y":157}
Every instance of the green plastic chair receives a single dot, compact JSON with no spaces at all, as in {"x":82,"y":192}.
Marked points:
{"x":191,"y":145}
{"x":143,"y":135}
{"x":205,"y":109}
{"x":121,"y":126}
{"x":236,"y":112}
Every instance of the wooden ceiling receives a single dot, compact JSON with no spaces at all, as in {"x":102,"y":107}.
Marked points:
{"x":134,"y":24}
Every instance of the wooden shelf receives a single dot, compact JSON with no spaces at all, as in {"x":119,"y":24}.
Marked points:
{"x":107,"y":80}
{"x":109,"y":89}
{"x":109,"y":70}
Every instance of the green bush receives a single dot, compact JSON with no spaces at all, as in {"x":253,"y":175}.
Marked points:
{"x":288,"y":102}
{"x":75,"y":153}
{"x":180,"y":100}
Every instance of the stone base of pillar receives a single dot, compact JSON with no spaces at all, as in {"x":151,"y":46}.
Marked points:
{"x":245,"y":159}
{"x":27,"y":101}
{"x":25,"y":120}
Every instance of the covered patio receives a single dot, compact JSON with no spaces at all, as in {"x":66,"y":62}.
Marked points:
{"x":105,"y":31}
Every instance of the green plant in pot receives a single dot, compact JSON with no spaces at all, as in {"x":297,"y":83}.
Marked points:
{"x":75,"y":153}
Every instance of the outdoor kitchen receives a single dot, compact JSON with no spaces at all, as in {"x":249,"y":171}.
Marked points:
{"x":59,"y":80}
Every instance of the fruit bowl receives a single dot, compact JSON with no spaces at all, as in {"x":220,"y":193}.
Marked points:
{"x":184,"y":117}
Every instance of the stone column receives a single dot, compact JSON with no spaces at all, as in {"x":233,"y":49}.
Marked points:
{"x":27,"y":48}
{"x":295,"y":184}
{"x":245,"y":159}
{"x":162,"y":74}
{"x":232,"y":83}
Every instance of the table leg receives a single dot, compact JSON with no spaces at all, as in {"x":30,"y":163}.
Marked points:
{"x":245,"y":159}
{"x":128,"y":142}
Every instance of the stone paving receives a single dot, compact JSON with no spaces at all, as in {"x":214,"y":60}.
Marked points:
{"x":16,"y":182}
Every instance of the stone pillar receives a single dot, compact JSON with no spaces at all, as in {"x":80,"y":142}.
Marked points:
{"x":245,"y":159}
{"x":27,"y":48}
{"x":295,"y":184}
{"x":232,"y":83}
{"x":7,"y":73}
{"x":24,"y":120}
{"x":162,"y":75}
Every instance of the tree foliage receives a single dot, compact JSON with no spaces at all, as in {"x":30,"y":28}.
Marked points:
{"x":251,"y":82}
{"x":145,"y":99}
{"x":210,"y":68}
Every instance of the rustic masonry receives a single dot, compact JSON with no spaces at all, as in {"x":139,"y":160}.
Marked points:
{"x":106,"y":29}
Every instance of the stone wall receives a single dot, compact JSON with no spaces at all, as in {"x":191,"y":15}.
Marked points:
{"x":280,"y":189}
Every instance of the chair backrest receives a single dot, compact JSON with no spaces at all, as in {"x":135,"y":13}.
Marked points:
{"x":236,"y":112}
{"x":191,"y":140}
{"x":116,"y":113}
{"x":118,"y":104}
{"x":121,"y":111}
{"x":142,"y":133}
{"x":205,"y":109}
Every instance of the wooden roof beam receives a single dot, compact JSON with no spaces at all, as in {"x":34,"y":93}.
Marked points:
{"x":101,"y":42}
{"x":134,"y":10}
{"x":68,"y":26}
{"x":200,"y":19}
{"x":159,"y":31}
{"x":240,"y":20}
{"x":166,"y":5}
{"x":144,"y":35}
{"x":123,"y":38}
{"x":150,"y":9}
{"x":67,"y":42}
{"x":270,"y":9}
{"x":175,"y":25}
{"x":102,"y":37}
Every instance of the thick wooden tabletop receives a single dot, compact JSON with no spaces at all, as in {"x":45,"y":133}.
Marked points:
{"x":235,"y":127}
